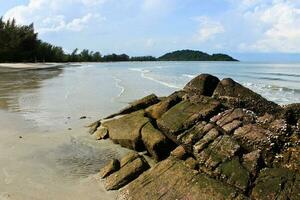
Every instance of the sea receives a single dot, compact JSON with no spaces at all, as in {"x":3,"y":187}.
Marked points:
{"x":45,"y":149}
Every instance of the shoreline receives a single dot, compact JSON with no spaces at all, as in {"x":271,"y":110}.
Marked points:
{"x":31,"y":65}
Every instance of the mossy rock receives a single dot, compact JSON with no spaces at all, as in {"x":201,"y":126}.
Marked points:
{"x":126,"y":174}
{"x":156,"y":143}
{"x":204,"y":84}
{"x":185,"y":114}
{"x":126,"y":130}
{"x":276,"y":183}
{"x":157,"y":110}
{"x":220,"y":150}
{"x":172,"y":179}
{"x":234,"y":173}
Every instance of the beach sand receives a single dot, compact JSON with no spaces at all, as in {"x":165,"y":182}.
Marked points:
{"x":30,"y":65}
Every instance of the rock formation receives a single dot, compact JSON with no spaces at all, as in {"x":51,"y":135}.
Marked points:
{"x":212,"y":140}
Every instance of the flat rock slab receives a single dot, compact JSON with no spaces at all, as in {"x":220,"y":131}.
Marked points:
{"x":185,"y":114}
{"x":157,"y":110}
{"x":126,"y":174}
{"x":126,"y":130}
{"x":156,"y":143}
{"x":137,"y":105}
{"x":172,"y":179}
{"x":276,"y":183}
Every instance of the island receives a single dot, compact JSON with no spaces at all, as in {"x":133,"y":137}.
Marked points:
{"x":191,"y":55}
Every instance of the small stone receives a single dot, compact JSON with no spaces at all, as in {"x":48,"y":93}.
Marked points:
{"x":111,"y":167}
{"x":126,"y":174}
{"x":101,"y":133}
{"x":83,"y":117}
{"x":179,"y":152}
{"x":93,"y":127}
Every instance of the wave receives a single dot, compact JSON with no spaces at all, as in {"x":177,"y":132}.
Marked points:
{"x":277,"y":74}
{"x":189,"y":75}
{"x":271,"y":87}
{"x":144,"y":74}
{"x":118,"y":85}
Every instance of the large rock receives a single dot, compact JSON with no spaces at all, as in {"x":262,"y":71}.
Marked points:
{"x":185,"y":114}
{"x":126,"y":174}
{"x":203,"y":84}
{"x":157,"y":110}
{"x":172,"y":179}
{"x":155,"y":142}
{"x":245,"y":98}
{"x":276,"y":183}
{"x":126,"y":130}
{"x":137,"y":105}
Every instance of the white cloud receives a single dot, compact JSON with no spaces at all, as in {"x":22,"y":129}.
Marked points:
{"x":54,"y":15}
{"x":278,"y":26}
{"x":58,"y":23}
{"x":208,"y":29}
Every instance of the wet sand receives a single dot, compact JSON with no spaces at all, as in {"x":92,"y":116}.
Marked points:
{"x":62,"y":165}
{"x":30,"y":65}
{"x":45,"y":150}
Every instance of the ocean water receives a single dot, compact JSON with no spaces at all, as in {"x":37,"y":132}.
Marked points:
{"x":45,"y":150}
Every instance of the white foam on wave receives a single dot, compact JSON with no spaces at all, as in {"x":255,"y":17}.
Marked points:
{"x":280,"y":95}
{"x":118,"y":85}
{"x":189,"y":75}
{"x":145,"y":75}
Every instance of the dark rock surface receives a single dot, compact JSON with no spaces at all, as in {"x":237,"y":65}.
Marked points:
{"x":245,"y":98}
{"x":212,"y":140}
{"x":204,"y":84}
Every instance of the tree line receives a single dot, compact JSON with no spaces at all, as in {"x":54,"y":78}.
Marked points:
{"x":20,"y":43}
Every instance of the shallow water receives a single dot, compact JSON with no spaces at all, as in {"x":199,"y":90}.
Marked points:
{"x":45,"y":151}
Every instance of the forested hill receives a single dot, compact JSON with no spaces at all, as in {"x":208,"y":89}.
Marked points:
{"x":190,"y":55}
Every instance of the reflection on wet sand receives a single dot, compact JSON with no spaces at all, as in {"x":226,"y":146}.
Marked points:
{"x":14,"y":82}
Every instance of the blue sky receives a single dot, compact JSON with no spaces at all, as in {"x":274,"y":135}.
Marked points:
{"x":246,"y":29}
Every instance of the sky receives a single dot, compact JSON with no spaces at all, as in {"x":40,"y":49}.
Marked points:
{"x":246,"y":29}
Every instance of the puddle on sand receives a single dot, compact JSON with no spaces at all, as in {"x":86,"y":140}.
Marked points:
{"x":42,"y":166}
